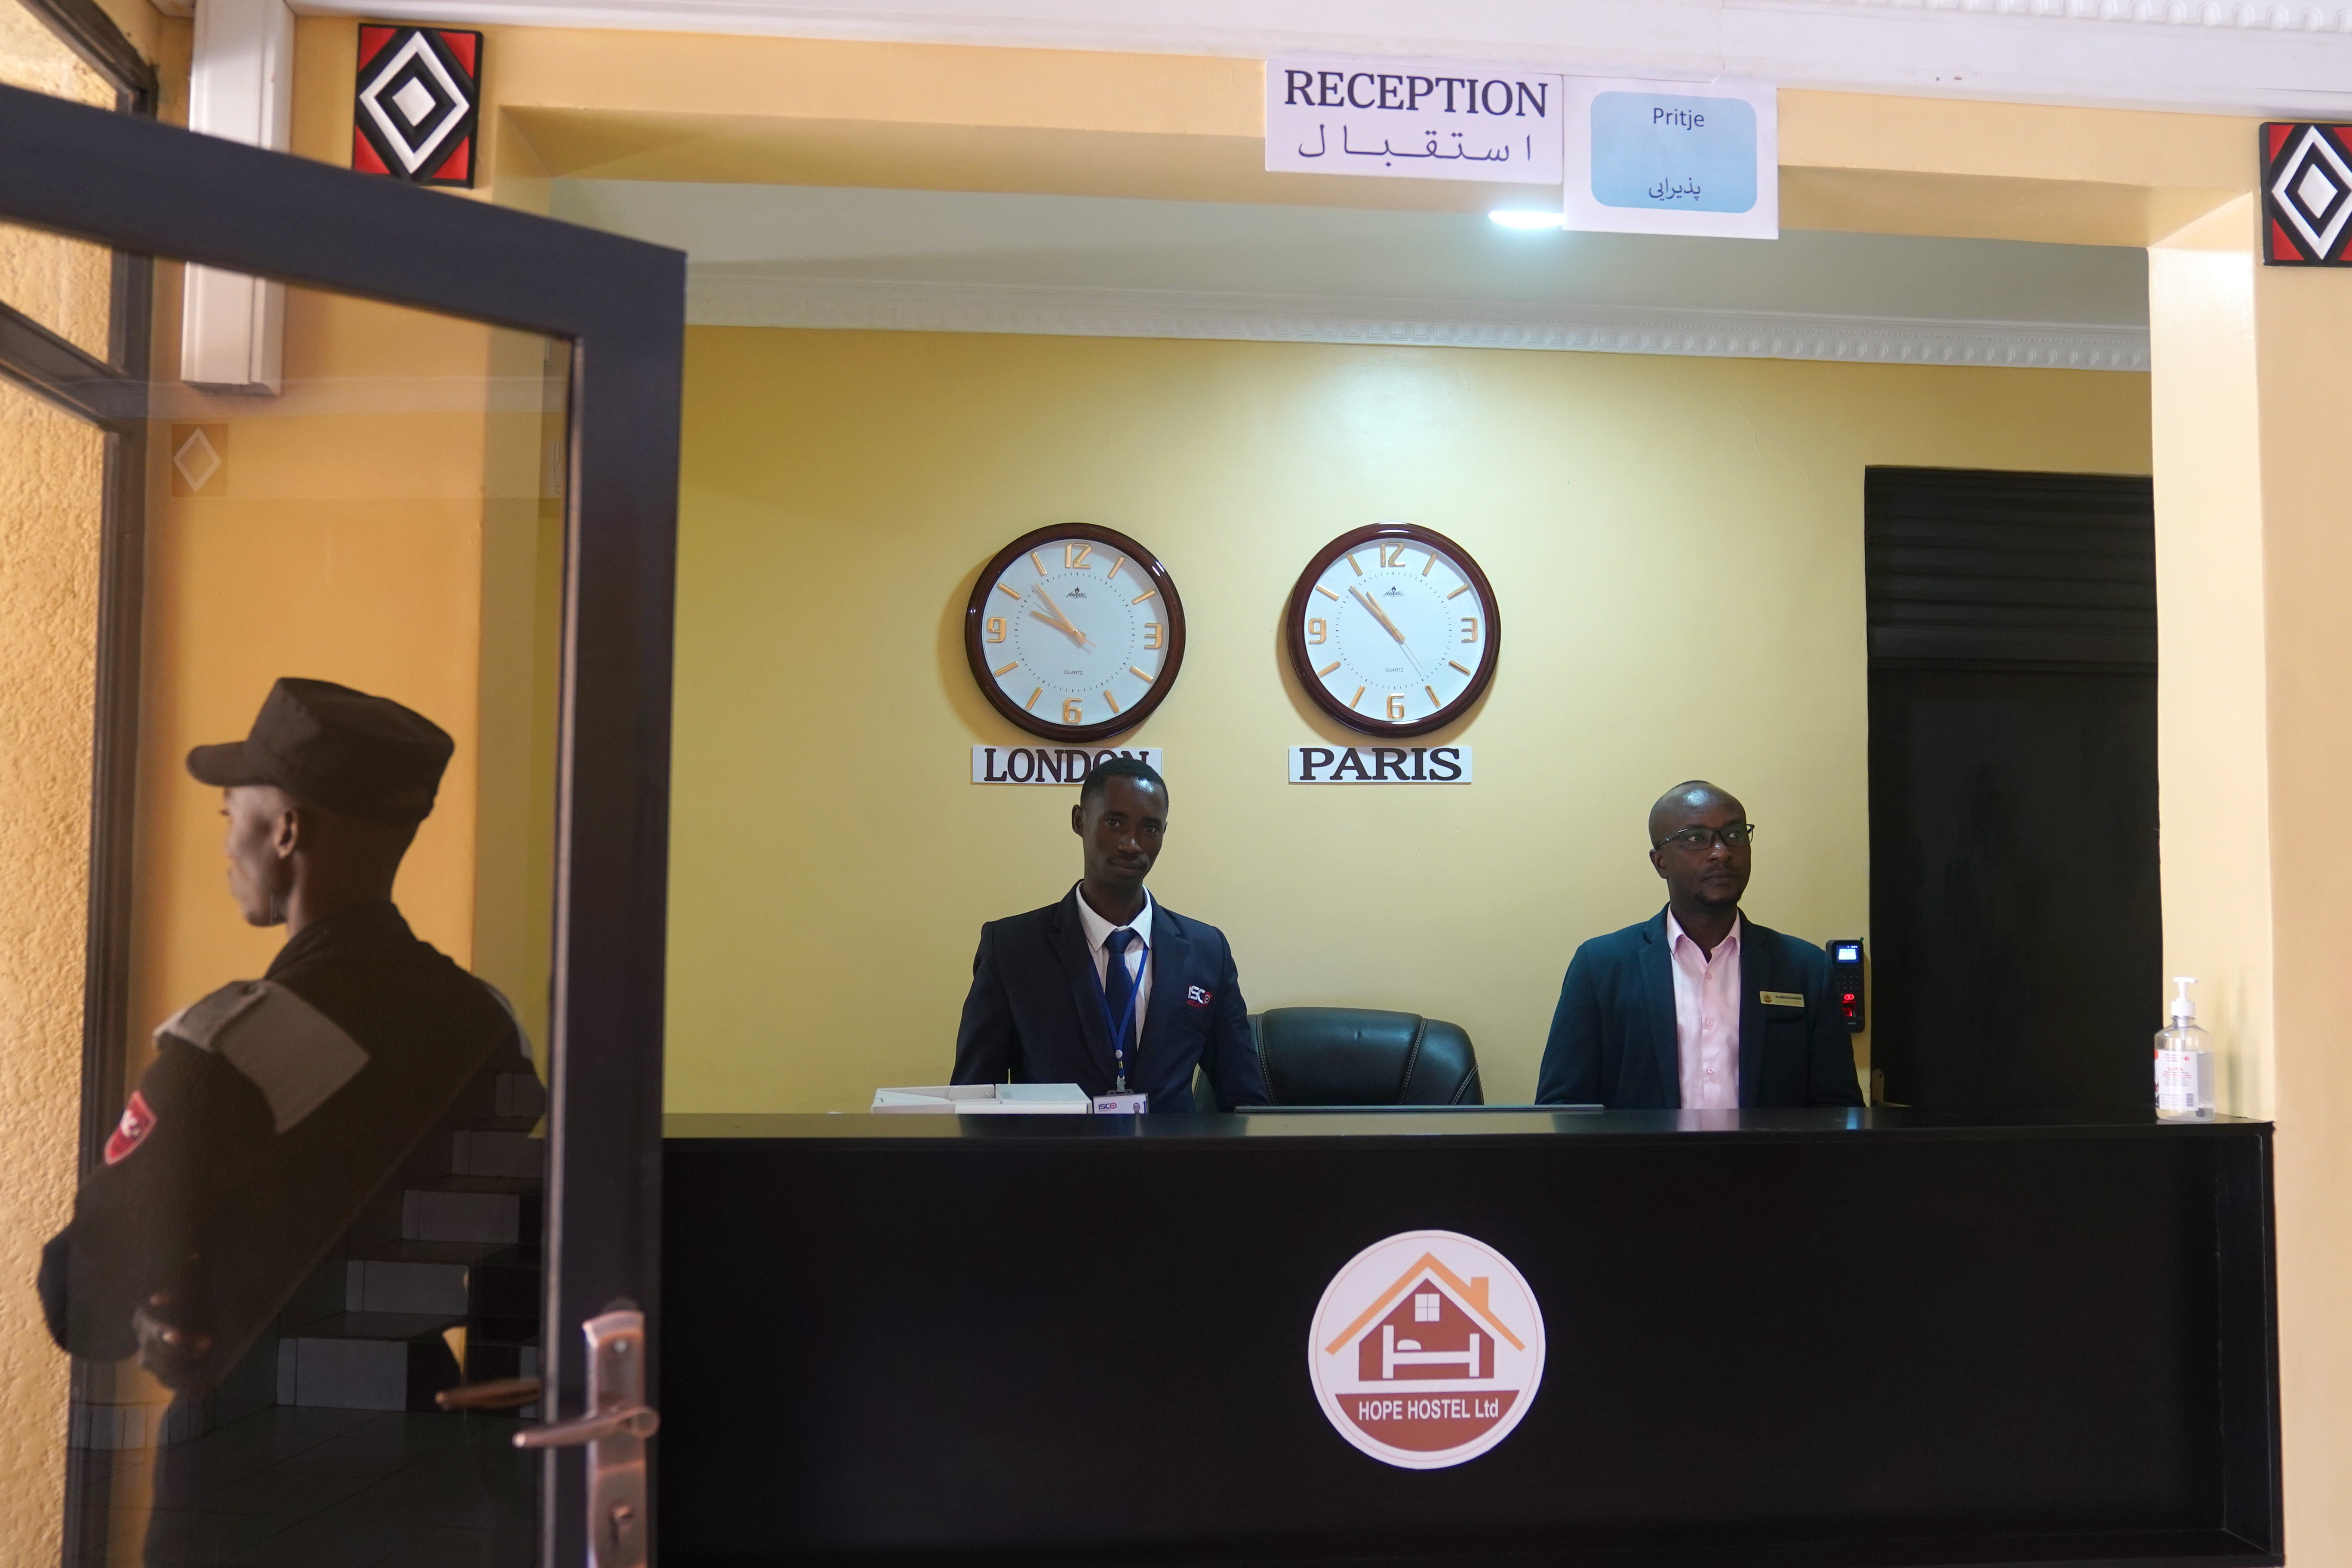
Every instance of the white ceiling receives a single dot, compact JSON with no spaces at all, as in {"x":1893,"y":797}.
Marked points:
{"x":811,"y":256}
{"x":2283,"y":57}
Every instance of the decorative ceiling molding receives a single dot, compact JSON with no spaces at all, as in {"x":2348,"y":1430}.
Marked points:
{"x":2241,"y":14}
{"x":2275,"y":58}
{"x":737,"y":300}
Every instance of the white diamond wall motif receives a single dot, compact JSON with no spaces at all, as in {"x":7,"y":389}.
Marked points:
{"x":417,"y":104}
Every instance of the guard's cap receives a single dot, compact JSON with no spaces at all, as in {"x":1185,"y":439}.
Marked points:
{"x":328,"y":745}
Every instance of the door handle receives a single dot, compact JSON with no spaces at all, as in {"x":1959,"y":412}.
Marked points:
{"x":613,"y":1430}
{"x":638,"y":1419}
{"x":500,"y":1394}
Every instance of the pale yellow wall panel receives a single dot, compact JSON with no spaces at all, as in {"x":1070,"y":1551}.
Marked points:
{"x":1675,"y":545}
{"x":2212,"y":673}
{"x":1934,"y":135}
{"x":827,"y":78}
{"x":1984,"y":206}
{"x":2303,"y":329}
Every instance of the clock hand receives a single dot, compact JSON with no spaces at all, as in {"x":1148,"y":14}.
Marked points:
{"x":1063,"y":626}
{"x":1060,"y":623}
{"x":1390,"y":626}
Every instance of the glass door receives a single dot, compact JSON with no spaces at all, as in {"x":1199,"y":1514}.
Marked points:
{"x":334,"y":614}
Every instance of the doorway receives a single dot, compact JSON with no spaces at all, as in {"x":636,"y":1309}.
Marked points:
{"x":2014,"y":898}
{"x":424,"y":491}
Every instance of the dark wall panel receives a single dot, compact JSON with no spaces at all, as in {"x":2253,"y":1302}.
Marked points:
{"x":2016,"y":915}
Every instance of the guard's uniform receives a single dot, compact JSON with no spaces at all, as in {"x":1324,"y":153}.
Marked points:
{"x":279,"y":1109}
{"x":276,"y":1110}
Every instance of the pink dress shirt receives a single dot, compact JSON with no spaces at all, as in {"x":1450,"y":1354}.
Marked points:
{"x":1706,"y":1018}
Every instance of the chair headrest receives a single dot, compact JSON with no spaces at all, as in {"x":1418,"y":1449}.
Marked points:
{"x":1360,"y":1055}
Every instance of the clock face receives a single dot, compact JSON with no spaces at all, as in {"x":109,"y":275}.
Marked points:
{"x":1075,"y":633}
{"x":1393,"y":629}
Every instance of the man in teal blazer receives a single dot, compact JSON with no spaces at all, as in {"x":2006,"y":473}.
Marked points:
{"x":1698,"y":1007}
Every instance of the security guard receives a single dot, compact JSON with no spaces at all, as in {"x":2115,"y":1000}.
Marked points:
{"x":277,"y":1109}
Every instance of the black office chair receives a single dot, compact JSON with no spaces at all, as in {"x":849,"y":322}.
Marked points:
{"x":1354,"y":1055}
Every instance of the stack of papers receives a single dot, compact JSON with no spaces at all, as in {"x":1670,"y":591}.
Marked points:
{"x":985,"y":1099}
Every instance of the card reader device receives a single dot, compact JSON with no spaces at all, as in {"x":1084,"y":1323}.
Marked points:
{"x":1845,"y":979}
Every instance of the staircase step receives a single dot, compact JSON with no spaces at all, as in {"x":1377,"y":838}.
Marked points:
{"x":501,"y":1148}
{"x":471,"y":1209}
{"x":521,"y":1094}
{"x":418,"y":1277}
{"x":367,"y":1361}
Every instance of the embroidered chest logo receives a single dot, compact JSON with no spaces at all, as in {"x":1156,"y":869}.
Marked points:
{"x":1426,"y":1349}
{"x":1196,"y":997}
{"x":137,"y":1120}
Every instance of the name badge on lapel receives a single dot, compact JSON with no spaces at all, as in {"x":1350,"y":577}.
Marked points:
{"x":1123,"y":1104}
{"x":1783,"y":999}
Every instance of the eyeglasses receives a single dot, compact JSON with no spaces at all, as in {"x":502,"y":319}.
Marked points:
{"x":1699,"y":840}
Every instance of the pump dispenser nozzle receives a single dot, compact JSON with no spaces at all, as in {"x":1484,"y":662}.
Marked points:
{"x":2183,"y":1009}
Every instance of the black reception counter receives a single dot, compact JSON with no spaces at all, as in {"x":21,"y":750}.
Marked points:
{"x":1812,"y":1339}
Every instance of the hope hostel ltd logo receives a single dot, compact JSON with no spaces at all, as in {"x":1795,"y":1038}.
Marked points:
{"x":1426,"y":1349}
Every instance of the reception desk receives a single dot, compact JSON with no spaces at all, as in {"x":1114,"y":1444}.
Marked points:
{"x":1804,"y":1338}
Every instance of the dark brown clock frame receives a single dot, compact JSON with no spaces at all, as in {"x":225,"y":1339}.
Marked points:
{"x":975,"y":620}
{"x":1294,"y":628}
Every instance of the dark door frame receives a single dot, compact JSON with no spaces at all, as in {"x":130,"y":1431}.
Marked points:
{"x":153,"y":190}
{"x":110,"y":393}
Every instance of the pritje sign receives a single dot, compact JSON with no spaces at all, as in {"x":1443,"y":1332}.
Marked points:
{"x":1426,"y":1349}
{"x":1426,"y":120}
{"x":1672,"y":157}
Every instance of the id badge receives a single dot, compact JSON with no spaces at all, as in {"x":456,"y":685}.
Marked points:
{"x":1123,"y":1104}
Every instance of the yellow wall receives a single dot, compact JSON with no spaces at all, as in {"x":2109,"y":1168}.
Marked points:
{"x":342,"y":540}
{"x":382,"y":523}
{"x":1675,"y":543}
{"x":2301,"y":327}
{"x":51,"y":494}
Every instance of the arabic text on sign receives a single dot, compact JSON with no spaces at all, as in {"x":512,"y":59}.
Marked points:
{"x":1445,"y":121}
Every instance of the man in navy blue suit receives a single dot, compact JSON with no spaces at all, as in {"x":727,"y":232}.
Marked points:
{"x":1698,"y":1008}
{"x":1110,"y":989}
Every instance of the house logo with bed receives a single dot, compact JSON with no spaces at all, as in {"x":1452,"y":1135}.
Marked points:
{"x":1426,"y":1350}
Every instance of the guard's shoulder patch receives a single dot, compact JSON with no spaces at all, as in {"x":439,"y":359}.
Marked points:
{"x":296,"y":1055}
{"x":137,"y":1120}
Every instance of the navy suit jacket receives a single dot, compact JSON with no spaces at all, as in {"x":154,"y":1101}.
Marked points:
{"x":1613,"y":1037}
{"x":1034,"y":1012}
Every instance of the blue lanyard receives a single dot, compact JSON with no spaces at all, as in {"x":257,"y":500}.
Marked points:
{"x":1127,"y":1016}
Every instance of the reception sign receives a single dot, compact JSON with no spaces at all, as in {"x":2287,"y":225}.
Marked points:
{"x":1670,"y":157}
{"x":1413,"y":119}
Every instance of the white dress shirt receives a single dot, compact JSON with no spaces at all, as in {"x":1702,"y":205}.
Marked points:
{"x":1138,"y":956}
{"x":1706,"y":1017}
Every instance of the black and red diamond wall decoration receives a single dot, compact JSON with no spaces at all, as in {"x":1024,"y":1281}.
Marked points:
{"x":418,"y":104}
{"x":2306,"y":194}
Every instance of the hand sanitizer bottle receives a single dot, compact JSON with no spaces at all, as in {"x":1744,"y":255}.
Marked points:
{"x":2184,"y":1063}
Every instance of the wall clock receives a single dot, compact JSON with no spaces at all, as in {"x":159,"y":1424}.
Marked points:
{"x":1393,"y":629}
{"x":1074,"y":632}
